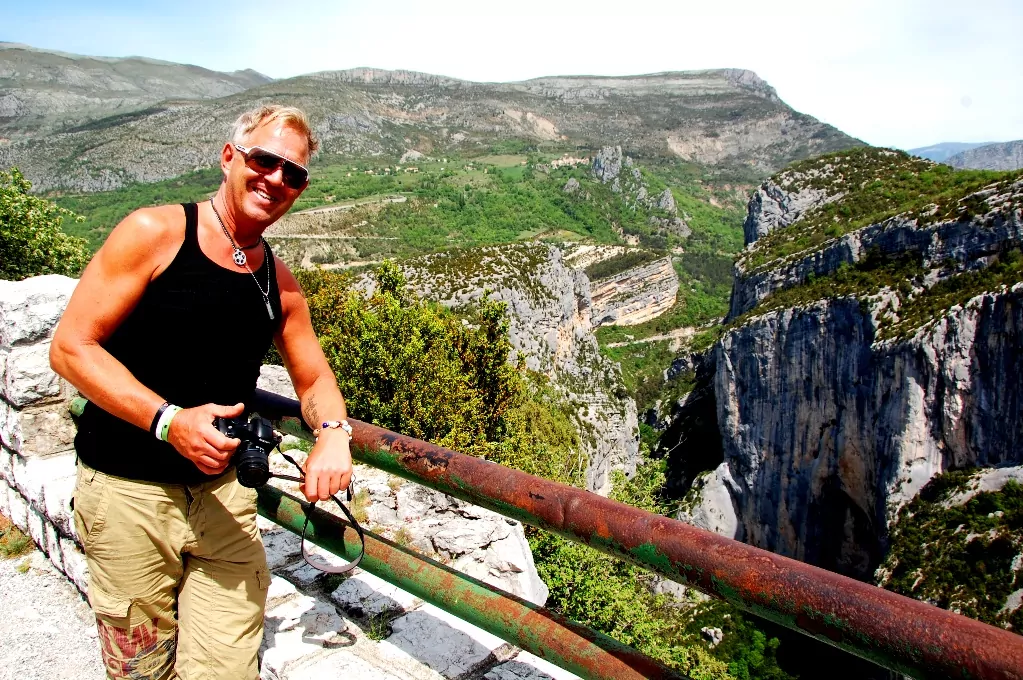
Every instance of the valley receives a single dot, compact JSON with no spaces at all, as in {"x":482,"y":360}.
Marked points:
{"x":694,"y":299}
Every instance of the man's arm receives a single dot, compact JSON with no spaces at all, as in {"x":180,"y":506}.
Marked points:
{"x":135,"y":253}
{"x":329,"y":466}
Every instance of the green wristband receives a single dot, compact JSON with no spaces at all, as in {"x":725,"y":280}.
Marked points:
{"x":163,"y":426}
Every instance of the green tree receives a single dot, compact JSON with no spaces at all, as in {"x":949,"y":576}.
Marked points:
{"x":31,"y":240}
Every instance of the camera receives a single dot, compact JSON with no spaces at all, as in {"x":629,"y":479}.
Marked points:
{"x":252,"y":457}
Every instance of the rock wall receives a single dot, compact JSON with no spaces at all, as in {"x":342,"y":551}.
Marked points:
{"x":549,"y":307}
{"x":634,"y":296}
{"x":826,"y":433}
{"x":827,"y":430}
{"x":37,"y":460}
{"x":314,"y":627}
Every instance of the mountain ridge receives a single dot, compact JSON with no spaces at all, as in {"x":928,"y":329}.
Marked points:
{"x":719,"y":118}
{"x":997,"y":156}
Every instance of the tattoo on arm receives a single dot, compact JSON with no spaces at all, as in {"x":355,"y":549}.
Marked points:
{"x":309,"y":411}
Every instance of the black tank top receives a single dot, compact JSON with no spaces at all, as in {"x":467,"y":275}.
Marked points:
{"x":197,"y":336}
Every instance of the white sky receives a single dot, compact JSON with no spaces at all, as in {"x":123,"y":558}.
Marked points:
{"x":903,"y":73}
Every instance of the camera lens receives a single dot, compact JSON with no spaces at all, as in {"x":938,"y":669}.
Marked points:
{"x":253,"y":466}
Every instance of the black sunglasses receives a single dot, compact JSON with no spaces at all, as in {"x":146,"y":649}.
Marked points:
{"x":265,"y":162}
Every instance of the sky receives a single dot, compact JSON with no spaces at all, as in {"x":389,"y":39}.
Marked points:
{"x":900,"y":73}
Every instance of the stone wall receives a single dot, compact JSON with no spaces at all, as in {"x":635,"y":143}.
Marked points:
{"x":37,"y":460}
{"x":315,"y":627}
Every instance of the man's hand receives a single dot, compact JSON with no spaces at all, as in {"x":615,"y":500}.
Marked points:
{"x":193,"y":435}
{"x":328,"y":469}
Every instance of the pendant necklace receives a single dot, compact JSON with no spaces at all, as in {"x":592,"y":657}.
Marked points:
{"x":242,"y":261}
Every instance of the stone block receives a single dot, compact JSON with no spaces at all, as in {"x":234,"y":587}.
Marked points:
{"x":53,"y":546}
{"x":276,"y":379}
{"x":300,"y":627}
{"x":30,"y":309}
{"x":526,"y":666}
{"x":37,"y":527}
{"x":5,"y":502}
{"x":342,"y":664}
{"x":27,"y":377}
{"x":282,"y":547}
{"x":6,"y":460}
{"x":33,"y":477}
{"x":443,"y":642}
{"x":364,"y":595}
{"x":37,"y":430}
{"x":75,"y":566}
{"x":279,"y":592}
{"x":57,"y":493}
{"x":19,"y":510}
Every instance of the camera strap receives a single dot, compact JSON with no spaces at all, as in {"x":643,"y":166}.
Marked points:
{"x":327,"y":569}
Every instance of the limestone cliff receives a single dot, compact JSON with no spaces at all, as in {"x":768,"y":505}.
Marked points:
{"x":858,"y":365}
{"x":635,"y":295}
{"x":549,"y":307}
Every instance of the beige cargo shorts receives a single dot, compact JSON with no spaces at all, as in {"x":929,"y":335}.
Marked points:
{"x":177,"y":576}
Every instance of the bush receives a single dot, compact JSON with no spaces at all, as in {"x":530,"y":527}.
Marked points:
{"x":31,"y":240}
{"x":413,"y":367}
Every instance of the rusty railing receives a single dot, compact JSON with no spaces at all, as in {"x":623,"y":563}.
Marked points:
{"x":894,"y":631}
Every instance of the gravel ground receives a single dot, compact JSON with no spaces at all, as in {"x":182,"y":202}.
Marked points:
{"x":47,"y":631}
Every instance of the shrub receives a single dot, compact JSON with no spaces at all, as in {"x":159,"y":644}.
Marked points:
{"x":31,"y":240}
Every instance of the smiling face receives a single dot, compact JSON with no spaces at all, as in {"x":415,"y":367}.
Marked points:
{"x":255,"y":198}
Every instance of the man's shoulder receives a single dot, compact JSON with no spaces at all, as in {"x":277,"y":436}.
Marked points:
{"x":146,"y":236}
{"x":157,"y":219}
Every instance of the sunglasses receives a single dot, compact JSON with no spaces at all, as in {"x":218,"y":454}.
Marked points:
{"x":266,"y":162}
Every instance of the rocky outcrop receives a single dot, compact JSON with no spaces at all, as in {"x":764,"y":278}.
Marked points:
{"x":550,"y":309}
{"x":774,"y":206}
{"x":634,"y":296}
{"x":1004,"y":156}
{"x":991,"y":220}
{"x":830,"y":421}
{"x":826,"y":433}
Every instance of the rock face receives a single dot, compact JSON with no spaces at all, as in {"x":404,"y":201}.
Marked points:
{"x":828,"y":425}
{"x":1004,"y":156}
{"x":549,"y":306}
{"x":634,"y":296}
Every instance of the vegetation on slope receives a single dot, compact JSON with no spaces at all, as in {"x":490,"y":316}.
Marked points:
{"x":871,"y":185}
{"x":919,"y":302}
{"x":960,"y":556}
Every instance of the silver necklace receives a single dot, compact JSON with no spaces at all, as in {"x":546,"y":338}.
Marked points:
{"x":240,"y":260}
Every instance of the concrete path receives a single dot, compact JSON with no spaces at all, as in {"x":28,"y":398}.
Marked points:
{"x":47,"y":631}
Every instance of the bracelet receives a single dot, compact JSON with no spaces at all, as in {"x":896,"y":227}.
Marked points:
{"x":333,"y":425}
{"x":156,"y":418}
{"x":163,"y":427}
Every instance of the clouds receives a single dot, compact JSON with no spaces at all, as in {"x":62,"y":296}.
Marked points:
{"x":890,"y":72}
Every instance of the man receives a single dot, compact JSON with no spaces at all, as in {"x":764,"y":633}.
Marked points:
{"x":165,"y":332}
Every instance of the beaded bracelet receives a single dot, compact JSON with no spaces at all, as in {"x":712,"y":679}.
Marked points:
{"x":334,"y":424}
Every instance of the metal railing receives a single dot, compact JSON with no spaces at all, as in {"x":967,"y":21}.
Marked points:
{"x":894,"y":631}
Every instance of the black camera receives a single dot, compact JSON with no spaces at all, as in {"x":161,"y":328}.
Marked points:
{"x":252,"y":457}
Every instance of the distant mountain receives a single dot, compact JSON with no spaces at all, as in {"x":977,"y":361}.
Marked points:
{"x":939,"y":153}
{"x":42,"y":90}
{"x":1003,"y":156}
{"x":728,"y":119}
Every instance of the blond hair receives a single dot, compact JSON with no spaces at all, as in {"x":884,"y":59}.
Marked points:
{"x":294,"y":118}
